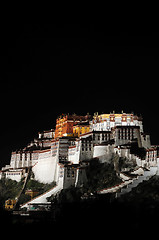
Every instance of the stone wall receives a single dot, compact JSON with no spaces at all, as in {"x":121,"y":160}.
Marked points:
{"x":103,"y":152}
{"x":45,"y":170}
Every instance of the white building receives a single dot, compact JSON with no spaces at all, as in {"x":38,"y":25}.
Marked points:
{"x":107,"y":135}
{"x":151,"y":156}
{"x":105,"y":122}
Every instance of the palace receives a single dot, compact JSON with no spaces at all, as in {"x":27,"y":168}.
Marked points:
{"x":59,"y":155}
{"x":64,"y":124}
{"x":108,"y":121}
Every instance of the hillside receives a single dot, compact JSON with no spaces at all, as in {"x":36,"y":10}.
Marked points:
{"x":76,"y":206}
{"x":101,"y":175}
{"x":132,"y":214}
{"x":92,"y":178}
{"x":146,"y":193}
{"x":10,"y":189}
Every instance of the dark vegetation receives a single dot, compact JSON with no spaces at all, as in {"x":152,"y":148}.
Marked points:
{"x":35,"y":186}
{"x":126,"y":163}
{"x":89,"y":217}
{"x":146,"y":193}
{"x":134,"y":214}
{"x":100,"y":175}
{"x":11,"y":189}
{"x":77,"y":211}
{"x":134,"y":149}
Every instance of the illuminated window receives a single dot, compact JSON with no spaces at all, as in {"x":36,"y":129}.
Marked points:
{"x":73,"y":173}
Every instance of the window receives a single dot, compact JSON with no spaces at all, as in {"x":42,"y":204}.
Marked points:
{"x":108,"y":136}
{"x":119,"y":134}
{"x":73,"y":173}
{"x":68,"y":172}
{"x":82,"y":146}
{"x":102,"y":137}
{"x":132,"y":132}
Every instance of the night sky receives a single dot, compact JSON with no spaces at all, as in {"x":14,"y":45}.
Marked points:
{"x":47,"y":70}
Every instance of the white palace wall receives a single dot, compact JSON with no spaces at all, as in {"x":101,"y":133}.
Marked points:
{"x":15,"y":175}
{"x":45,"y":169}
{"x":74,"y":154}
{"x":103,"y":152}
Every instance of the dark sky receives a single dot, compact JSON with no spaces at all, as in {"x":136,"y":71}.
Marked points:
{"x":47,"y":70}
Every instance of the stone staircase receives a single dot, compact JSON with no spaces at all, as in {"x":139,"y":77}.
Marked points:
{"x":120,"y":189}
{"x":145,"y":177}
{"x":129,"y":183}
{"x":43,"y":197}
{"x":23,"y":188}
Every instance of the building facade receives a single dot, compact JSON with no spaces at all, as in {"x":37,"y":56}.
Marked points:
{"x":80,"y":129}
{"x":125,"y":134}
{"x":65,"y":123}
{"x":105,"y":122}
{"x":76,"y":140}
